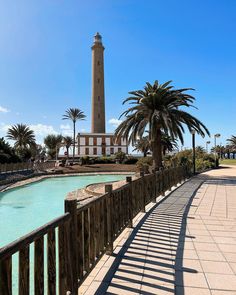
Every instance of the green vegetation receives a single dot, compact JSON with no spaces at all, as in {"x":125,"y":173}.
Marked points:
{"x":157,"y":109}
{"x":53,"y":143}
{"x":24,"y":140}
{"x":7,"y":153}
{"x":67,"y":141}
{"x":74,"y":115}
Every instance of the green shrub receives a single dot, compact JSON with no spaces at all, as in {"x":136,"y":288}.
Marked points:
{"x":120,"y":156}
{"x":146,"y":161}
{"x":104,"y":160}
{"x":130,"y":160}
{"x":85,"y":160}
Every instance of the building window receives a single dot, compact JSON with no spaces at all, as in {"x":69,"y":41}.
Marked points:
{"x":86,"y":151}
{"x":95,"y":151}
{"x":98,"y":98}
{"x":119,"y":149}
{"x":112,"y":151}
{"x":98,"y":80}
{"x":86,"y":141}
{"x":98,"y":63}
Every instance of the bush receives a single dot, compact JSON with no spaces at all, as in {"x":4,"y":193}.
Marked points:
{"x":104,"y":160}
{"x":85,"y":160}
{"x":120,"y":156}
{"x":146,"y":161}
{"x":130,"y":160}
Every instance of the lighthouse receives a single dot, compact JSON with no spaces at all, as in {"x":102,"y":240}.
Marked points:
{"x":98,"y":92}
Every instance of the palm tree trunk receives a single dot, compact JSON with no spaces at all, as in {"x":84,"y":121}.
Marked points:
{"x":156,"y":149}
{"x":74,"y":142}
{"x":67,"y":150}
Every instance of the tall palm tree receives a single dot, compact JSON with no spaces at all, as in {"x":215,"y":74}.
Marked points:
{"x":53,"y":143}
{"x":158,"y":109}
{"x":67,"y":142}
{"x":74,"y":115}
{"x":23,"y":136}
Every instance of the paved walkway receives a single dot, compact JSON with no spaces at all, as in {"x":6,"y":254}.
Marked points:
{"x":186,"y":245}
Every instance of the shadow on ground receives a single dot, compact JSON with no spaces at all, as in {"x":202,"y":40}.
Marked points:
{"x":151,"y":260}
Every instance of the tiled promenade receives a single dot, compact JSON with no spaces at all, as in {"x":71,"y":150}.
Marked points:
{"x":186,"y":245}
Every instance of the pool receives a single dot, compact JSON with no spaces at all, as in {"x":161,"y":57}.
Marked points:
{"x":25,"y":208}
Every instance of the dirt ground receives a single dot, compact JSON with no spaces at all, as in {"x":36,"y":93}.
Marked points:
{"x":100,"y":168}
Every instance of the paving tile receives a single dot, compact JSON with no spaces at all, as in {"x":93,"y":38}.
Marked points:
{"x":216,"y":267}
{"x":192,"y":291}
{"x":222,"y":292}
{"x":206,"y":246}
{"x":227,"y":248}
{"x":221,"y":281}
{"x":187,"y":279}
{"x":211,"y":256}
{"x":188,"y":265}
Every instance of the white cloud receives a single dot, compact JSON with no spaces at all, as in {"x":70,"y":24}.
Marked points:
{"x":66,"y":130}
{"x":83,"y":130}
{"x":3,"y":110}
{"x":42,"y":130}
{"x":114,"y":122}
{"x":65,"y":127}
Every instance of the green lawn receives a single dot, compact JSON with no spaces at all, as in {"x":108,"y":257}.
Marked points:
{"x":228,"y":161}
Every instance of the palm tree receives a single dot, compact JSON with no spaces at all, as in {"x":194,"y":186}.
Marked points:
{"x":142,"y":145}
{"x":67,"y":142}
{"x":74,"y":115}
{"x":232,"y":142}
{"x":158,"y":109}
{"x":23,"y":136}
{"x":53,"y":143}
{"x":168,"y":143}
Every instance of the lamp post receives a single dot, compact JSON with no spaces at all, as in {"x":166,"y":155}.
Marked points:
{"x":217,"y":135}
{"x":193,"y":147}
{"x":208,"y":142}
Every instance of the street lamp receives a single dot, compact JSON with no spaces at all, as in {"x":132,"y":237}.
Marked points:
{"x":193,"y":147}
{"x":217,"y":135}
{"x":208,"y":142}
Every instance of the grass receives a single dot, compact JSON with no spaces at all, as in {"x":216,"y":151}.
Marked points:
{"x":228,"y":161}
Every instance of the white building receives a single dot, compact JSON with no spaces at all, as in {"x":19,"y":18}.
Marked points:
{"x":99,"y":144}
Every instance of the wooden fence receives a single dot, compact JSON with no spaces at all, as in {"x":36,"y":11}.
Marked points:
{"x":19,"y":167}
{"x":77,"y":240}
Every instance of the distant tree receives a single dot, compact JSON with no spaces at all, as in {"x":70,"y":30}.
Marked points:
{"x":158,"y":108}
{"x":24,"y":139}
{"x":232,"y":143}
{"x":67,"y":142}
{"x":168,"y":143}
{"x":142,"y":145}
{"x":7,"y":153}
{"x":53,"y":143}
{"x":74,"y":115}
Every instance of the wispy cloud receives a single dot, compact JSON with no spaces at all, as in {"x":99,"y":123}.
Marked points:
{"x":4,"y":110}
{"x":114,"y":122}
{"x":66,"y":130}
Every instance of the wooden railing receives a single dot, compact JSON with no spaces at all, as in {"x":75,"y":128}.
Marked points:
{"x":78,"y":239}
{"x":16,"y":167}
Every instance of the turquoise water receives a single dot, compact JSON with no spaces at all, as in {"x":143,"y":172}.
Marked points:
{"x":25,"y":208}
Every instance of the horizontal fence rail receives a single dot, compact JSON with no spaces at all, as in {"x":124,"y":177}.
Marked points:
{"x":77,"y":240}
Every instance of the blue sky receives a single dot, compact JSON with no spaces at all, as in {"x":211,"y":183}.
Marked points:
{"x":45,"y":58}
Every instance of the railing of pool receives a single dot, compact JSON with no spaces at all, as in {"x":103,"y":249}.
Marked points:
{"x":78,"y":239}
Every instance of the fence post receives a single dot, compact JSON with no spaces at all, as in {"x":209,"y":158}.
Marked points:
{"x":108,"y":190}
{"x":72,"y":266}
{"x":143,"y":192}
{"x":130,"y":202}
